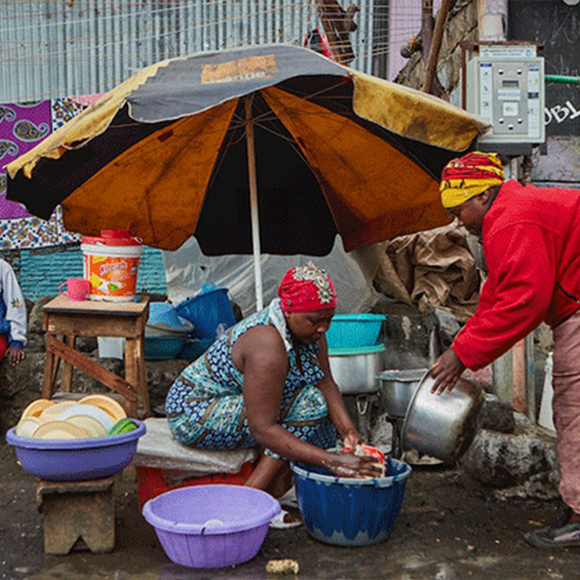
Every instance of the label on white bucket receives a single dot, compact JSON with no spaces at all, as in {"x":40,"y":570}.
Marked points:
{"x":112,"y":271}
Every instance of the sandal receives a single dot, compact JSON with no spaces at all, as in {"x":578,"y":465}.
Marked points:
{"x":564,"y":536}
{"x":284,"y":521}
{"x":289,"y":499}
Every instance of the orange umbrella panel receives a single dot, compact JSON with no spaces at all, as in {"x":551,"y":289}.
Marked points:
{"x":157,"y":186}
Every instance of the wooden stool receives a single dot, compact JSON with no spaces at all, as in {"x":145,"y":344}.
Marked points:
{"x":77,"y":509}
{"x":64,"y":320}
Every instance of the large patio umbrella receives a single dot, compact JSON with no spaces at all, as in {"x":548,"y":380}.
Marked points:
{"x":270,"y":149}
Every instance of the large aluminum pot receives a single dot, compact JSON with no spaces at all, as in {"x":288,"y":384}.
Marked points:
{"x":354,"y":370}
{"x":442,"y":426}
{"x":397,"y":387}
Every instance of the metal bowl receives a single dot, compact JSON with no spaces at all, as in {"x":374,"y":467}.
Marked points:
{"x":354,"y":370}
{"x":442,"y":426}
{"x":397,"y":389}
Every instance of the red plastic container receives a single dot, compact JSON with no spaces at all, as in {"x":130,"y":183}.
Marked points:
{"x":153,"y":481}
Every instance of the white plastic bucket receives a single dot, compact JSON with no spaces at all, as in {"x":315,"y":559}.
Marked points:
{"x":111,"y":347}
{"x":111,"y":268}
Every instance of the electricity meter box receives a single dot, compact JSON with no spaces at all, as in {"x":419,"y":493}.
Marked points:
{"x":504,"y":84}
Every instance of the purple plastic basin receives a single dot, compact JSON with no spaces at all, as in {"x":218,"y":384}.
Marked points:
{"x":76,"y":459}
{"x":211,"y":526}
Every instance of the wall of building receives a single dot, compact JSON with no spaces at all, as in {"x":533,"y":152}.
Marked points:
{"x":40,"y":272}
{"x":555,"y":26}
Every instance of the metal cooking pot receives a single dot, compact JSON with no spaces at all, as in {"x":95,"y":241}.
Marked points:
{"x":354,"y":370}
{"x":397,"y":389}
{"x":442,"y":426}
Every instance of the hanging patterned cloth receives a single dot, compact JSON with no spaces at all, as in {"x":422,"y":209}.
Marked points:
{"x":22,"y":126}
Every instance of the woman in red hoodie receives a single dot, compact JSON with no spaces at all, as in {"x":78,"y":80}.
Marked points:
{"x":531,"y":244}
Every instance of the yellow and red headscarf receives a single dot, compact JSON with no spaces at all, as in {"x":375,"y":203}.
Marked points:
{"x":306,"y":289}
{"x":468,"y":176}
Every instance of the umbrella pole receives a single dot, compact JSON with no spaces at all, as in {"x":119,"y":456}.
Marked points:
{"x":254,"y":204}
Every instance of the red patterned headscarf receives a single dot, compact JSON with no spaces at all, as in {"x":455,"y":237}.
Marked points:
{"x":468,"y":176}
{"x":306,"y":289}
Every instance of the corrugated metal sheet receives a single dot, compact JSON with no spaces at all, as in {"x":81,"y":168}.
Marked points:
{"x":51,"y":49}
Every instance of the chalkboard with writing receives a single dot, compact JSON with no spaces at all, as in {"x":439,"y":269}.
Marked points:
{"x":556,"y":26}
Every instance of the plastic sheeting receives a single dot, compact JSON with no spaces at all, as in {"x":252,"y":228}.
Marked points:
{"x":157,"y":448}
{"x":187,"y":270}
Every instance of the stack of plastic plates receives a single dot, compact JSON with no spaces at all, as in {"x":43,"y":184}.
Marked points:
{"x":59,"y":430}
{"x":80,"y":410}
{"x":27,"y":426}
{"x":107,"y":404}
{"x":92,"y":416}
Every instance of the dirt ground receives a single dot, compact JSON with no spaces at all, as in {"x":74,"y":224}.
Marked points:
{"x":448,"y":529}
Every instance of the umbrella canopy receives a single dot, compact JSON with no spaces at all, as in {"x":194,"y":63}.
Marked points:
{"x":275,"y":136}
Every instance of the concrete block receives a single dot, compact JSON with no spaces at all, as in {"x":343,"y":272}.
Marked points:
{"x":519,"y":464}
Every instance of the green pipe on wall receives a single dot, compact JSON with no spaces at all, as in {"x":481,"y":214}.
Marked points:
{"x":562,"y":79}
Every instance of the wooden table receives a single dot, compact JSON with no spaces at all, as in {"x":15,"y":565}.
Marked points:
{"x":64,"y":320}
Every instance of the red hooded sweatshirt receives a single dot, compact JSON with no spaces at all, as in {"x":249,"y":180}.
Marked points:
{"x":531,"y":244}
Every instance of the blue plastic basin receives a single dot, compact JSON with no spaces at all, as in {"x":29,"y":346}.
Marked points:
{"x":346,"y":511}
{"x":163,"y":347}
{"x":165,"y":313}
{"x":207,"y":312}
{"x":349,"y":331}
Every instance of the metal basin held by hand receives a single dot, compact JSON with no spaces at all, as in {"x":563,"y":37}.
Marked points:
{"x":397,"y":389}
{"x":442,"y":426}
